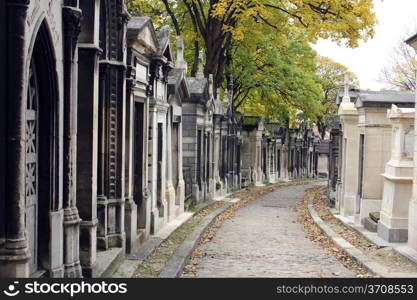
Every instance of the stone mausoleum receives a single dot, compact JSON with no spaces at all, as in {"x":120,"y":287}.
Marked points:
{"x":104,"y":136}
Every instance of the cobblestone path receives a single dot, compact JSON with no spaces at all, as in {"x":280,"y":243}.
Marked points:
{"x":264,"y":239}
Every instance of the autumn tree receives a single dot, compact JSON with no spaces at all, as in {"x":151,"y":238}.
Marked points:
{"x":276,"y":77}
{"x":332,"y":77}
{"x":217,"y":24}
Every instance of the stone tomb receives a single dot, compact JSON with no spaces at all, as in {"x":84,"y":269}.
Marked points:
{"x":374,"y":134}
{"x":393,"y":223}
{"x":264,"y":159}
{"x":197,"y":133}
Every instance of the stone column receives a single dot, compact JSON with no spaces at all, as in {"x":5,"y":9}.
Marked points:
{"x":216,"y":157}
{"x":15,"y":255}
{"x":157,"y":113}
{"x":268,"y":161}
{"x":131,"y":210}
{"x":210,"y":179}
{"x":349,"y":120}
{"x":258,"y":158}
{"x":87,"y":135}
{"x":163,"y":211}
{"x":170,"y":191}
{"x":278,"y":161}
{"x":205,"y":188}
{"x":181,"y":183}
{"x":339,"y":171}
{"x":153,"y":167}
{"x":194,"y":166}
{"x":274,"y":163}
{"x":284,"y":159}
{"x":393,"y":224}
{"x":72,"y":27}
{"x":144,"y":217}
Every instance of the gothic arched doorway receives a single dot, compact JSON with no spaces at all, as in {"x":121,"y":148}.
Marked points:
{"x":41,"y":151}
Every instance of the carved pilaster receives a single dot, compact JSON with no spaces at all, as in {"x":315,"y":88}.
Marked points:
{"x":72,"y":26}
{"x":14,"y":255}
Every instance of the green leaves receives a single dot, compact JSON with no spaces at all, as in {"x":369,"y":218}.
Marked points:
{"x":282,"y":74}
{"x":264,"y":44}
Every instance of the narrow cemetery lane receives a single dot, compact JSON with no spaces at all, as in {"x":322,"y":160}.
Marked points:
{"x":264,"y":239}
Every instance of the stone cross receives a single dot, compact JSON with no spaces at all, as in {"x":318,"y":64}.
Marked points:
{"x":346,"y":97}
{"x":200,"y":72}
{"x":211,"y":86}
{"x":226,"y":97}
{"x":180,"y":63}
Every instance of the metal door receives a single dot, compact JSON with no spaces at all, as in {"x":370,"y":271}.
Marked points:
{"x":32,"y":138}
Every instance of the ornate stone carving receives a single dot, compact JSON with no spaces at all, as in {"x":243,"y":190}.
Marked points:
{"x":409,"y":142}
{"x":72,"y":21}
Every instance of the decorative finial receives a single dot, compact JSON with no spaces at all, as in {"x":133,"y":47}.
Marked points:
{"x":210,"y":85}
{"x":200,"y":72}
{"x":226,"y":97}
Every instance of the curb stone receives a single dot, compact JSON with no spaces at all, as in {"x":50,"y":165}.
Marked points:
{"x":176,"y":263}
{"x":353,"y":252}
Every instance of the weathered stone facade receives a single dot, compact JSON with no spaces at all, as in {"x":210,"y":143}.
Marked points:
{"x":97,"y":164}
{"x":371,"y":183}
{"x":141,"y":45}
{"x":40,"y":218}
{"x":366,"y":131}
{"x":103,"y":137}
{"x":197,"y":134}
{"x":226,"y":146}
{"x":393,"y":223}
{"x":411,"y":249}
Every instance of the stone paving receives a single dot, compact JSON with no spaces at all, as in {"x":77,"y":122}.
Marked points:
{"x":264,"y":239}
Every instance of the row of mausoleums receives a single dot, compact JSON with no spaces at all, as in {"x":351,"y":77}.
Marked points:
{"x":272,"y":153}
{"x":103,"y":137}
{"x":371,"y":170}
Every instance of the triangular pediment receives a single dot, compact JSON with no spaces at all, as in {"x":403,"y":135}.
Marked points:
{"x":147,"y":37}
{"x":141,"y":30}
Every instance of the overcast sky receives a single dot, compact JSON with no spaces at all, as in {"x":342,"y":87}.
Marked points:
{"x":395,"y":19}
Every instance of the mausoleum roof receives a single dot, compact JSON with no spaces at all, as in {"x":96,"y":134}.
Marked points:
{"x":141,"y":29}
{"x":163,"y":39}
{"x":136,"y":24}
{"x":384,"y":98}
{"x":366,"y":98}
